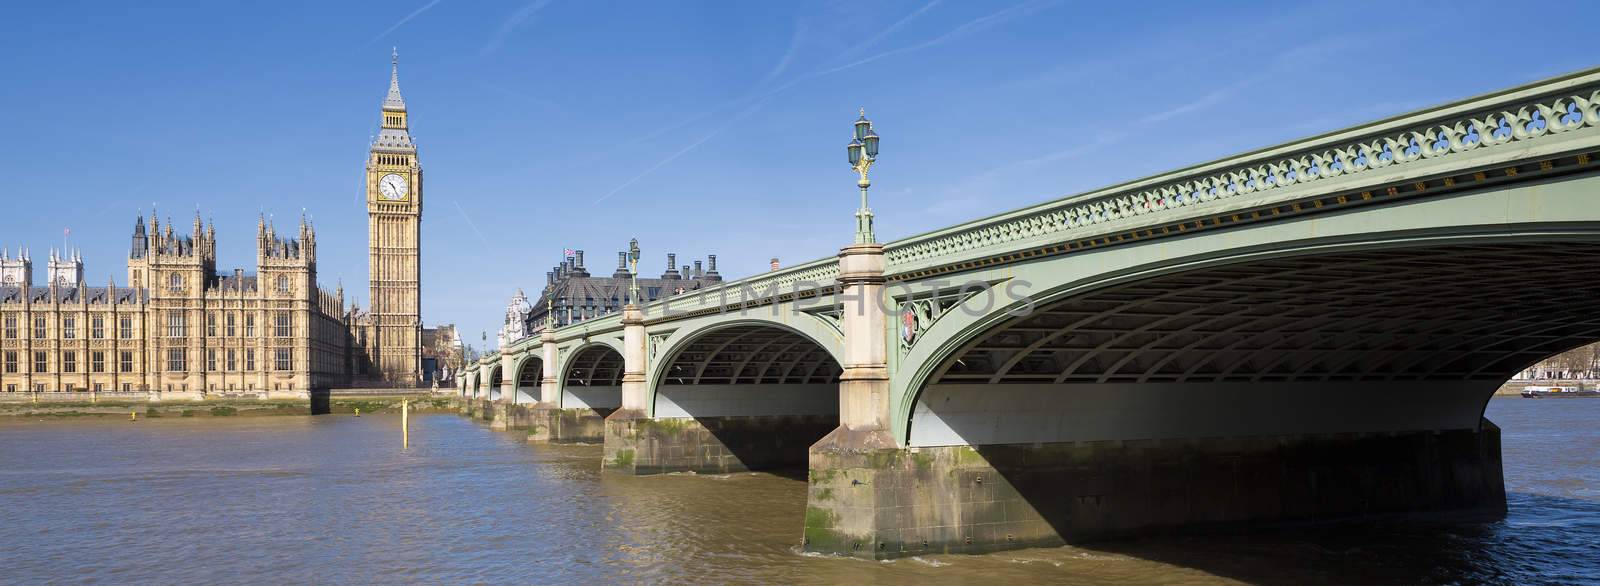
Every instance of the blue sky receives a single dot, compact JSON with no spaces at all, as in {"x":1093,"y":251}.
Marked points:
{"x":696,"y":127}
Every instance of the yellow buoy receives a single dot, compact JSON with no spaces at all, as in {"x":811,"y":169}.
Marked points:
{"x":133,"y":416}
{"x":358,"y":411}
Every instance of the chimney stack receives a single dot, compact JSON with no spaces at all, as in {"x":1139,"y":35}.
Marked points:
{"x":622,"y":266}
{"x":577,"y":264}
{"x":672,"y":271}
{"x":711,"y":270}
{"x":697,"y":271}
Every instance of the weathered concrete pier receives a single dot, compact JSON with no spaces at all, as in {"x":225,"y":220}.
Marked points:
{"x":1305,"y":332}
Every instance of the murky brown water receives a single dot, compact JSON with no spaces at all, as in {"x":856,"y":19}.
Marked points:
{"x":334,"y":499}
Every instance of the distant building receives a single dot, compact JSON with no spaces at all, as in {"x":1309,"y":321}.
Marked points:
{"x":442,"y":353}
{"x":181,"y":326}
{"x":576,"y":295}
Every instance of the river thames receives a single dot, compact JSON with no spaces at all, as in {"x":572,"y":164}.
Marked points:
{"x":299,"y":499}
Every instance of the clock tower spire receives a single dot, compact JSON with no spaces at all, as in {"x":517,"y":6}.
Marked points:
{"x":394,"y":217}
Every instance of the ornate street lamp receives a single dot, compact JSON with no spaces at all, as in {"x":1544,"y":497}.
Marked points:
{"x":633,"y":268}
{"x":863,"y":151}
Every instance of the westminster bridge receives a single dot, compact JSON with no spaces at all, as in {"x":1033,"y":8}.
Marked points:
{"x":1308,"y":331}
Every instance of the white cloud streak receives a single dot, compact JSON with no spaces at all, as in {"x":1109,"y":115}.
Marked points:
{"x":889,"y":30}
{"x":683,"y":151}
{"x":511,"y":23}
{"x":788,"y":56}
{"x":471,"y":224}
{"x":971,"y":27}
{"x":403,"y":20}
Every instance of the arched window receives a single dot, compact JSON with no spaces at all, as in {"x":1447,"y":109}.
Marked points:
{"x":175,"y":282}
{"x":283,"y":283}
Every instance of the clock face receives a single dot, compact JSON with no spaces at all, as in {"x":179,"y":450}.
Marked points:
{"x":392,"y":186}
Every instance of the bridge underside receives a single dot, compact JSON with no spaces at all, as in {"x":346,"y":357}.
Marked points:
{"x":1332,"y":386}
{"x":738,"y":398}
{"x":591,"y":389}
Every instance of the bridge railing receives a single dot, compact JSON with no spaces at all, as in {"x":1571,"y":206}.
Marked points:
{"x":1451,"y":136}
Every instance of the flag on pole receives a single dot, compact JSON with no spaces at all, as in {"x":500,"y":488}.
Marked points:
{"x":566,"y":252}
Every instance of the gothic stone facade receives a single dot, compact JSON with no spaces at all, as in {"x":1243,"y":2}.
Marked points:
{"x":182,"y":327}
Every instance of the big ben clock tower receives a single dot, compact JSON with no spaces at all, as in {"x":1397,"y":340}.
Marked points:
{"x":394,"y":217}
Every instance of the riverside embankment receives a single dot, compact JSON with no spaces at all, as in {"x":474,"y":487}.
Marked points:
{"x":43,"y":405}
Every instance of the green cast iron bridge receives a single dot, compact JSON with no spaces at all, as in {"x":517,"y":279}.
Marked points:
{"x":1307,"y":331}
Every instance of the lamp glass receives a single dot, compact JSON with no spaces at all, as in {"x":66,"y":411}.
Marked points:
{"x":862,"y":126}
{"x":854,"y":150}
{"x":871,"y":143}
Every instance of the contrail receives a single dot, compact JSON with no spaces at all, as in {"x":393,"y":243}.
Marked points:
{"x":783,"y":63}
{"x":973,"y":26}
{"x":474,"y":227}
{"x":681,"y":152}
{"x":889,"y":30}
{"x":516,"y":19}
{"x":970,"y":27}
{"x":402,"y":21}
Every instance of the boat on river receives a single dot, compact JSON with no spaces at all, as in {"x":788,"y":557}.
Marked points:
{"x":1559,"y":392}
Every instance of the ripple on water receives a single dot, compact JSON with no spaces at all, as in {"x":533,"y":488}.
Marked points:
{"x":334,"y":499}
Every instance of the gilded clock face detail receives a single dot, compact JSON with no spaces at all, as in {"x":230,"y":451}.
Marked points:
{"x":392,"y":186}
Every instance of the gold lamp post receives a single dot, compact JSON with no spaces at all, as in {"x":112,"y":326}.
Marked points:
{"x":863,"y":151}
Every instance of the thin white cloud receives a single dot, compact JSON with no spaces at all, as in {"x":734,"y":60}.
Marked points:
{"x":511,"y":23}
{"x":1212,"y":98}
{"x":889,"y":30}
{"x":403,"y":20}
{"x":966,"y":29}
{"x":788,"y":56}
{"x":471,"y":224}
{"x":683,"y":151}
{"x":969,"y":28}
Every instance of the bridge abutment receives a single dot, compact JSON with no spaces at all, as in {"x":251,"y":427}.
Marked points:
{"x":499,"y":415}
{"x":711,"y":445}
{"x":868,"y":498}
{"x":581,"y":425}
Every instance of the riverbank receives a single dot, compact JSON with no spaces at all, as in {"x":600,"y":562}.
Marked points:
{"x":1514,"y":388}
{"x":317,"y":405}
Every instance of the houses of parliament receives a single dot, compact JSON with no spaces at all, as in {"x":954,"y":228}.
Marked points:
{"x":181,"y":326}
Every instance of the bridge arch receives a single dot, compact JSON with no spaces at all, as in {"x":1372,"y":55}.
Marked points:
{"x":591,"y":377}
{"x":745,"y":394}
{"x":1544,"y":226}
{"x":494,"y":382}
{"x":680,"y":358}
{"x":529,"y":375}
{"x":1303,"y":339}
